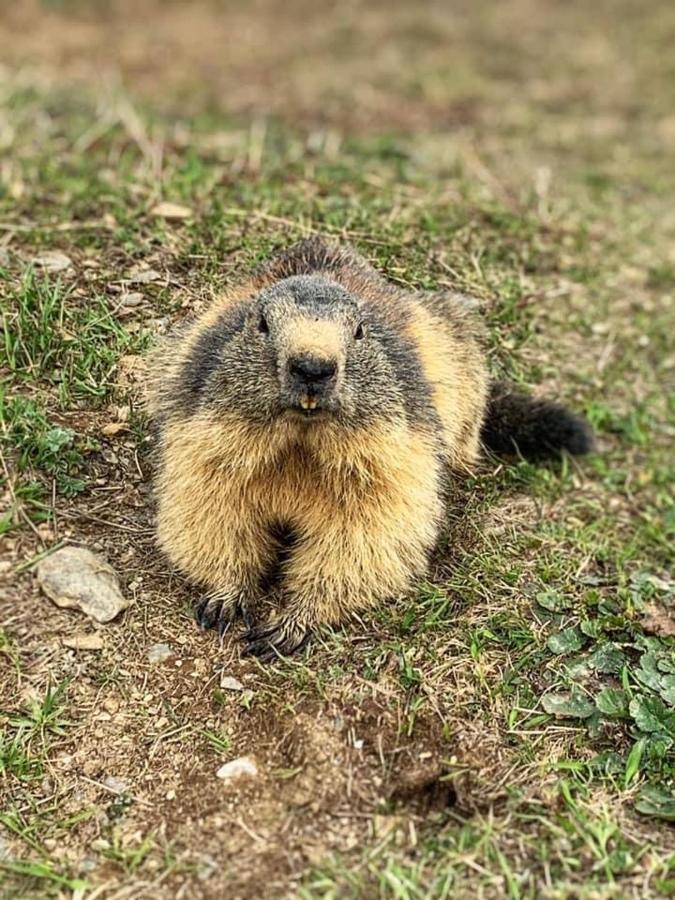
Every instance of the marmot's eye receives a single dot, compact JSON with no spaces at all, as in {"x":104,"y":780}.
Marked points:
{"x":263,"y":327}
{"x":360,"y":332}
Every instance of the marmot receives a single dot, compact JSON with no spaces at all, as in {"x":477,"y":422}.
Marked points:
{"x":320,"y":401}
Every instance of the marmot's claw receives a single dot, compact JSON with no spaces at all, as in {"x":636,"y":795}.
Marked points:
{"x":248,"y":616}
{"x":206,"y":611}
{"x":281,"y":638}
{"x":219,"y":610}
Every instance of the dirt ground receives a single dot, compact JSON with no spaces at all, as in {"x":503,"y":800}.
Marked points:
{"x":521,"y":151}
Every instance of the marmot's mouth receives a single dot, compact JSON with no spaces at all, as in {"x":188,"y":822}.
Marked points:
{"x":309,"y":402}
{"x":307,"y":406}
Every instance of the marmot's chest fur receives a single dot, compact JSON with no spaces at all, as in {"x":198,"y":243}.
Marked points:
{"x":318,"y":397}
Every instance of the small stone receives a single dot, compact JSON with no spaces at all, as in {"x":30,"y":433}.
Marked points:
{"x":159,"y":653}
{"x":168,"y":210}
{"x":92,"y":641}
{"x":228,"y":683}
{"x":143,"y":276}
{"x":99,"y":844}
{"x":113,"y":428}
{"x":238,"y":768}
{"x":170,"y":795}
{"x":76,"y":578}
{"x":116,"y":785}
{"x":133,"y":299}
{"x":52,"y":261}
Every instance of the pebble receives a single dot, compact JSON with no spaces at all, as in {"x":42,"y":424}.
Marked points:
{"x":245,"y":766}
{"x":113,"y":428}
{"x":92,"y":641}
{"x":52,"y":261}
{"x":228,"y":683}
{"x":100,"y":844}
{"x":135,"y":298}
{"x":76,"y":578}
{"x":159,"y":653}
{"x":116,"y":785}
{"x":143,"y":276}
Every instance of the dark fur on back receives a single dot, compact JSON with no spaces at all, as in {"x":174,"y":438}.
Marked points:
{"x":517,"y":423}
{"x":314,"y":254}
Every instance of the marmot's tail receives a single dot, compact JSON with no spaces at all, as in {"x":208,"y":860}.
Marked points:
{"x":517,"y":423}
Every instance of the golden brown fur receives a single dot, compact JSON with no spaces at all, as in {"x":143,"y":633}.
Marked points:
{"x":364,"y":504}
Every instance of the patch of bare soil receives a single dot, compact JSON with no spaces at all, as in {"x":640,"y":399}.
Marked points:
{"x":337,"y":762}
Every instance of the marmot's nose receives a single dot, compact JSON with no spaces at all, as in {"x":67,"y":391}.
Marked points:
{"x":311,"y":370}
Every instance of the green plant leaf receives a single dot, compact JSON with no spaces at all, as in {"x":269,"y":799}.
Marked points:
{"x":666,"y":663}
{"x":650,"y":714}
{"x":633,"y":761}
{"x":553,"y":601}
{"x":656,"y":801}
{"x":607,"y":763}
{"x":652,"y":679}
{"x":612,"y":702}
{"x":620,"y":861}
{"x":667,"y":689}
{"x":566,"y":641}
{"x":568,"y":705}
{"x":607,"y":658}
{"x":592,"y":628}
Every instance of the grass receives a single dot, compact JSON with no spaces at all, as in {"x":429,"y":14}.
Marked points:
{"x":24,"y":740}
{"x":47,"y":336}
{"x":530,"y":665}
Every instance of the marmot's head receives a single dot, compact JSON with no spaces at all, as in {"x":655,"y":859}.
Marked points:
{"x":307,"y":350}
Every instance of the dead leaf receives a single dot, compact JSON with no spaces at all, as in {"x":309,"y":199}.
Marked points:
{"x":168,"y":210}
{"x":91,"y":641}
{"x":113,"y":428}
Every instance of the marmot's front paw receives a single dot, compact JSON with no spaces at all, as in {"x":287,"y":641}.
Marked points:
{"x":220,"y":608}
{"x":279,"y":638}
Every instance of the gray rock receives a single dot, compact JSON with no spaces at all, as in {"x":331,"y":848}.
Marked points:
{"x":76,"y":578}
{"x":229,"y":683}
{"x":245,"y":766}
{"x":159,"y":653}
{"x":132,"y":299}
{"x":143,"y":276}
{"x":116,"y":785}
{"x":52,"y":261}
